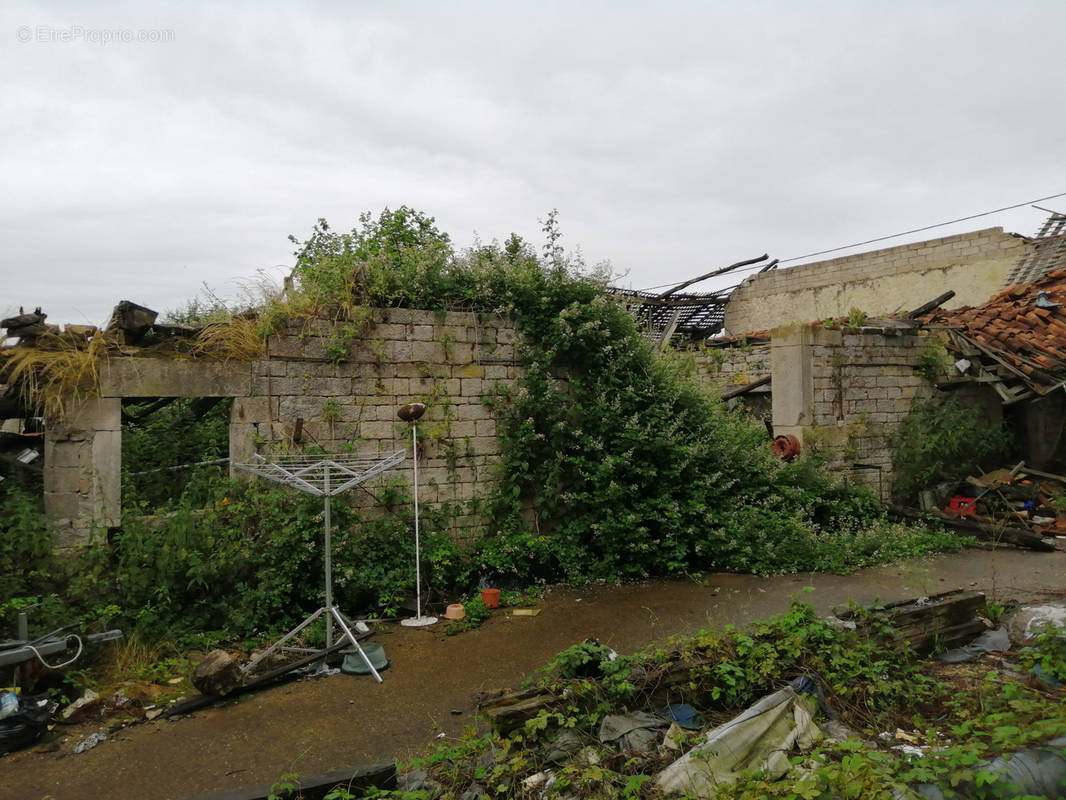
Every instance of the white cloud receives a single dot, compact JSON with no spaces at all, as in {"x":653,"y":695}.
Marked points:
{"x":672,"y":138}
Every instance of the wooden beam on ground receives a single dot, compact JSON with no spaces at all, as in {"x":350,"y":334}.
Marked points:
{"x":1020,"y":537}
{"x":355,"y":780}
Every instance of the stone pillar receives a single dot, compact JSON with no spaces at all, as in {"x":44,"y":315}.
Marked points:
{"x":82,"y":470}
{"x":249,"y":417}
{"x":791,"y":353}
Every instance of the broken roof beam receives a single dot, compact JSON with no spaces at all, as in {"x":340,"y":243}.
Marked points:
{"x":936,"y":302}
{"x":742,"y":390}
{"x":714,"y":274}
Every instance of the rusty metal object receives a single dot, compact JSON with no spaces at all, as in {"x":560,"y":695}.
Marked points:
{"x":786,"y":447}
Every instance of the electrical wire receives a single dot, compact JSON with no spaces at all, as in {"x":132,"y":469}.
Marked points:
{"x":890,"y":236}
{"x":77,"y":655}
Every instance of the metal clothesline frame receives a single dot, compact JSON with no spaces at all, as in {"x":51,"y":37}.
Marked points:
{"x":324,"y":476}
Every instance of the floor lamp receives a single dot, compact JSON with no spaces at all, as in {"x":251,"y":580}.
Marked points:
{"x":412,"y":412}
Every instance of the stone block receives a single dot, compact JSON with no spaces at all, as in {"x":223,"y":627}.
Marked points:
{"x":485,"y":427}
{"x":393,"y":331}
{"x":165,"y":377}
{"x":468,"y":371}
{"x":460,"y":428}
{"x":459,"y":353}
{"x":472,"y":387}
{"x":421,"y":333}
{"x":378,"y":430}
{"x":395,"y":351}
{"x":402,"y":316}
{"x":284,"y":347}
{"x":432,"y":352}
{"x":486,"y":445}
{"x":474,"y":411}
{"x":250,"y":409}
{"x":62,"y":505}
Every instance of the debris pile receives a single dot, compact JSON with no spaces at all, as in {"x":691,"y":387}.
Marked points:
{"x":1022,"y":506}
{"x":728,"y":714}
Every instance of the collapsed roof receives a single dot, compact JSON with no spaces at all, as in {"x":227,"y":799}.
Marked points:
{"x":688,"y":317}
{"x":1016,"y":340}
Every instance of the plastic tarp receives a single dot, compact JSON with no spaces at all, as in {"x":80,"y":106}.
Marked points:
{"x":1033,"y":772}
{"x":760,"y":738}
{"x":637,"y":731}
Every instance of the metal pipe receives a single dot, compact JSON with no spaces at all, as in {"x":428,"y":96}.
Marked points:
{"x":329,"y":560}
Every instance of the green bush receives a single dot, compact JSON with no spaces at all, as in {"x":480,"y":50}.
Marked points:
{"x":943,"y":440}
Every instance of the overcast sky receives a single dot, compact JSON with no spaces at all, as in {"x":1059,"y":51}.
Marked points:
{"x":673,"y":138}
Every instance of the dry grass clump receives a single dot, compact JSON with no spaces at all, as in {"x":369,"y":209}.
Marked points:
{"x":59,"y":369}
{"x":238,"y":338}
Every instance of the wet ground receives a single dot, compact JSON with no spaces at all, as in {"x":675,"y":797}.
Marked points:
{"x":313,"y":726}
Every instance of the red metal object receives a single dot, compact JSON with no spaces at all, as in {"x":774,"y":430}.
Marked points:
{"x":962,"y":506}
{"x":786,"y":446}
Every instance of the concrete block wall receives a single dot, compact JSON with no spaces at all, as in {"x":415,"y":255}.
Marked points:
{"x":346,"y":383}
{"x":82,"y":476}
{"x":880,"y":283}
{"x":735,"y":365}
{"x":864,"y":384}
{"x":844,"y":392}
{"x":335,"y":385}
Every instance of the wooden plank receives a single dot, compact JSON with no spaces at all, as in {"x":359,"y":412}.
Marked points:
{"x":1019,"y":537}
{"x":315,"y":787}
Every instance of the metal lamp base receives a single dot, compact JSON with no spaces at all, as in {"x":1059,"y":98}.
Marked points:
{"x":418,"y":622}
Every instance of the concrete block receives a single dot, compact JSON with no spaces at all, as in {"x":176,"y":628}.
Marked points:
{"x":396,"y":351}
{"x":378,"y":430}
{"x":165,"y":377}
{"x":432,"y":352}
{"x":472,"y":387}
{"x":468,"y":371}
{"x":464,"y":428}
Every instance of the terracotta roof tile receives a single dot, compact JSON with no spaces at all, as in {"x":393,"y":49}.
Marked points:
{"x":1018,"y":329}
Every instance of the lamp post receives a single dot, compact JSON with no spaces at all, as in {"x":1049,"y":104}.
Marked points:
{"x":412,"y":412}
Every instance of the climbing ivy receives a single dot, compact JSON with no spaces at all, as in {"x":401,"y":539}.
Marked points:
{"x":616,"y":463}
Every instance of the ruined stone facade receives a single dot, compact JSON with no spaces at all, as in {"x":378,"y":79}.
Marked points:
{"x":843,"y":393}
{"x":335,"y":386}
{"x":880,"y":283}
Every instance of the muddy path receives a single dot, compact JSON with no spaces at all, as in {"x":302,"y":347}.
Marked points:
{"x":313,"y":726}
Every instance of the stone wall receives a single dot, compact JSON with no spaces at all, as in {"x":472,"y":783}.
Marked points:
{"x":879,"y":283}
{"x":334,"y":386}
{"x":732,"y":365}
{"x":843,"y":392}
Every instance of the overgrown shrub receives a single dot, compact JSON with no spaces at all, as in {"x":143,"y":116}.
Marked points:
{"x":943,"y":440}
{"x":616,"y":463}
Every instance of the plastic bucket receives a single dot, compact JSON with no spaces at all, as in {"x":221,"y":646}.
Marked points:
{"x":354,"y":664}
{"x":491,"y":597}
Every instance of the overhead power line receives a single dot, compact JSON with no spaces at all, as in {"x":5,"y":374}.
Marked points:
{"x":895,"y":235}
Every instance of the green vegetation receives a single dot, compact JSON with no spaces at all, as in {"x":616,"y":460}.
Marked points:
{"x":616,"y":464}
{"x":958,"y":716}
{"x":942,"y":440}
